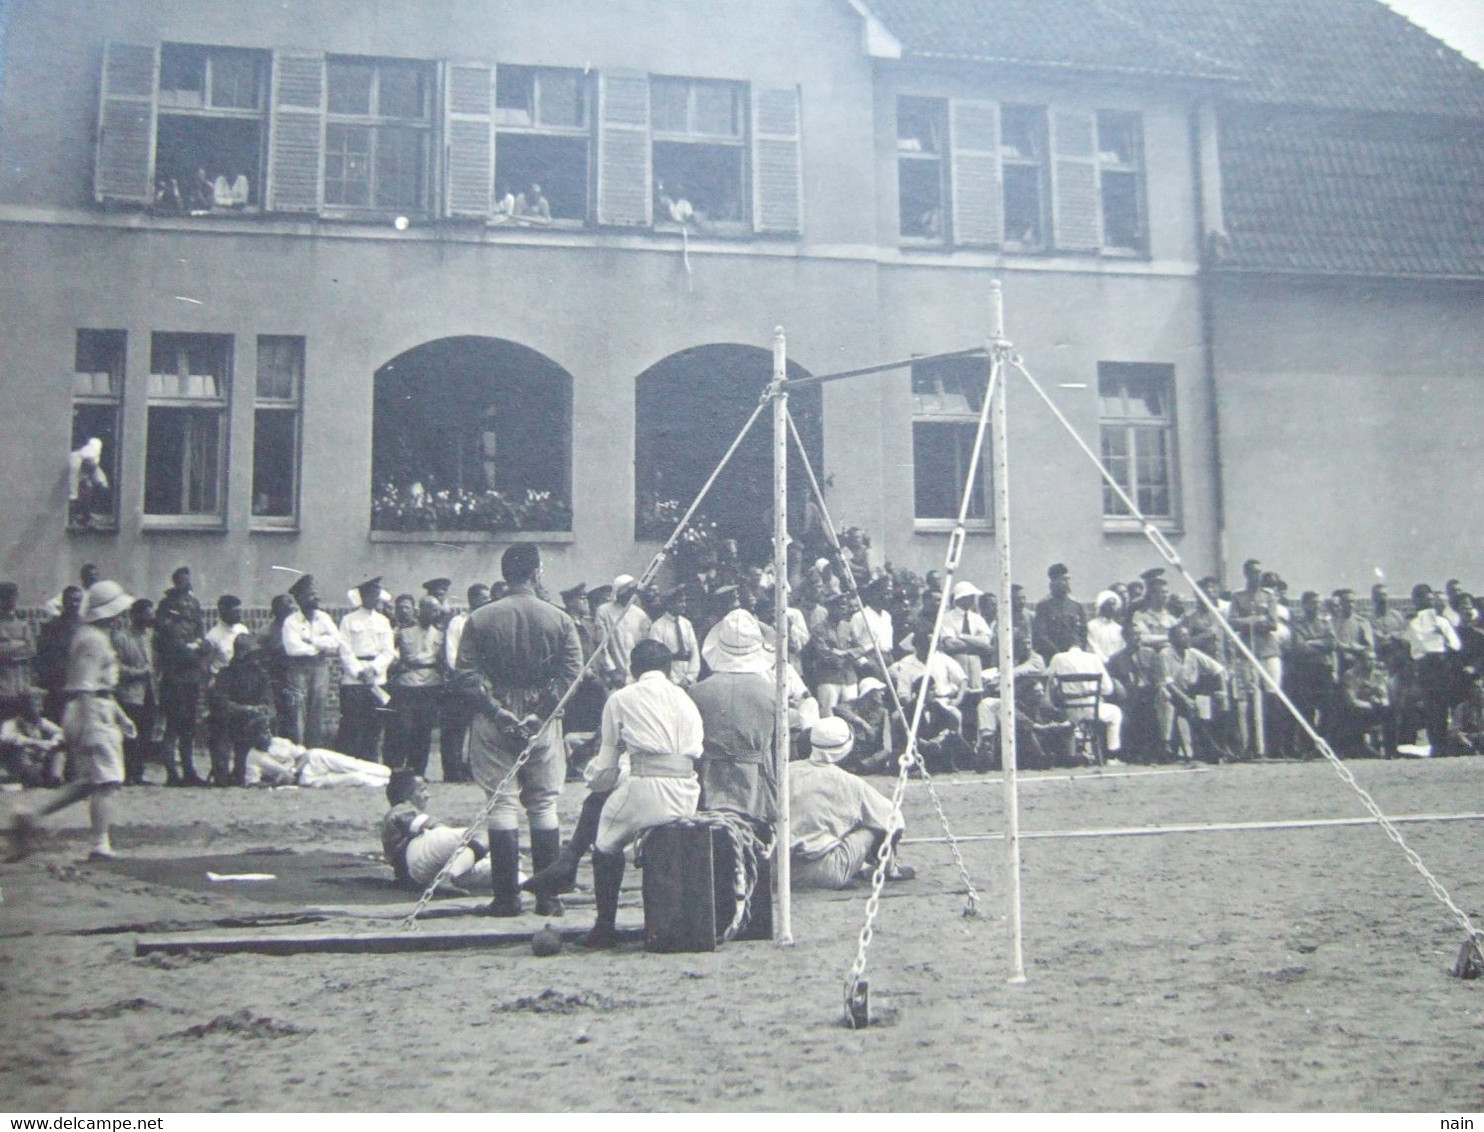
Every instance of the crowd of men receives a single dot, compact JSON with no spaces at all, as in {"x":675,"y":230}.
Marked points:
{"x":674,"y":708}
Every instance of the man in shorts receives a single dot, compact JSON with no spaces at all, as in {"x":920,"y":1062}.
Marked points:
{"x":93,"y":722}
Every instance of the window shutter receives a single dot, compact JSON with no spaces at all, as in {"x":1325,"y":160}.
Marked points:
{"x":1074,"y":171}
{"x":778,"y":190}
{"x":469,"y":140}
{"x":124,"y":167}
{"x":296,"y":135}
{"x":623,"y":150}
{"x":978,"y":205}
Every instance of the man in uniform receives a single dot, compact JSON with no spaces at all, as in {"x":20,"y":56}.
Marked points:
{"x":1058,"y":611}
{"x":309,"y":640}
{"x":367,"y":650}
{"x":182,"y":653}
{"x":516,"y":658}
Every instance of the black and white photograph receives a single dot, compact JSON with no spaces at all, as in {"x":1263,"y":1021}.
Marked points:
{"x":507,"y":509}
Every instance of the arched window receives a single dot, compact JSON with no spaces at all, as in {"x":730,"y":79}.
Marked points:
{"x":471,"y":434}
{"x":688,"y":410}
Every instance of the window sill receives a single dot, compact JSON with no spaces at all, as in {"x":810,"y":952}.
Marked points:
{"x":947,"y":526}
{"x":1119,"y":525}
{"x":265,"y":525}
{"x":460,"y":538}
{"x":184,"y":524}
{"x":96,"y":527}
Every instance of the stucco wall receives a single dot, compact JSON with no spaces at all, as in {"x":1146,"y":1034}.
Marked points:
{"x":1350,"y":431}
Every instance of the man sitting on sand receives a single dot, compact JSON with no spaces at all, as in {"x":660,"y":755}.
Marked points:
{"x":417,"y":845}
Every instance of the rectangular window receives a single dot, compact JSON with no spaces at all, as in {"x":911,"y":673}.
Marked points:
{"x":947,"y":398}
{"x":1120,"y":177}
{"x":922,"y":181}
{"x":1137,"y":425}
{"x":377,"y":130}
{"x":699,"y":149}
{"x":186,"y":439}
{"x":276,"y":428}
{"x":97,"y":424}
{"x":1023,"y":157}
{"x":542,"y":144}
{"x":209,"y":140}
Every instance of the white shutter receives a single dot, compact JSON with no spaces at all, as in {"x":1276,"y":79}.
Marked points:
{"x":1074,"y":182}
{"x":624,"y":195}
{"x":778,"y":190}
{"x":296,"y":138}
{"x":978,"y":199}
{"x":469,"y":140}
{"x":124,"y":166}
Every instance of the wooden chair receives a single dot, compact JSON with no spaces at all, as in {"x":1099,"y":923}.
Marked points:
{"x":1080,"y":695}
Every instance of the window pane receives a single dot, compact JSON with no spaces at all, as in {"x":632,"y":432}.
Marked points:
{"x":1121,"y":223}
{"x":182,"y":75}
{"x":562,"y":99}
{"x":716,"y":110}
{"x":708,"y":176}
{"x":399,"y":167}
{"x":1023,"y":132}
{"x":1152,"y":470}
{"x":402,"y":93}
{"x":940,"y":461}
{"x":1118,"y":138}
{"x":1023,"y":205}
{"x":275,"y":458}
{"x":280,"y":367}
{"x":950,"y":385}
{"x":347,"y":164}
{"x":920,"y":184}
{"x":669,"y":100}
{"x":234,"y":80}
{"x":98,"y":363}
{"x":183,"y":461}
{"x":514,"y":96}
{"x":1115,"y":445}
{"x":349,"y":86}
{"x":558,"y":164}
{"x":919,"y":125}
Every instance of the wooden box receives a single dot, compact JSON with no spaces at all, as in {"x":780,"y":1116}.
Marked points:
{"x":688,"y":897}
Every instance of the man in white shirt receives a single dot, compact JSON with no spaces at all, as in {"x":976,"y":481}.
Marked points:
{"x":940,"y":741}
{"x":871,"y":628}
{"x":651,"y":738}
{"x":620,"y":627}
{"x":367,"y":646}
{"x":309,"y":641}
{"x":1431,"y":638}
{"x":1074,"y":660}
{"x":966,"y":637}
{"x":453,"y":719}
{"x":673,"y":629}
{"x":839,"y":821}
{"x":222,"y":637}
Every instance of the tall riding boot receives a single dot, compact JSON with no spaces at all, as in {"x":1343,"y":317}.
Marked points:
{"x":545,"y":849}
{"x":504,"y":872}
{"x":561,"y":875}
{"x":607,"y":879}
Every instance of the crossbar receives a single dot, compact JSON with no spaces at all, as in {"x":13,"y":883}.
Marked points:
{"x":819,"y":379}
{"x":1215,"y":827}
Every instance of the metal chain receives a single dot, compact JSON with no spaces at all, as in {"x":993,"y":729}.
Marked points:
{"x":410,"y":922}
{"x":1168,"y":553}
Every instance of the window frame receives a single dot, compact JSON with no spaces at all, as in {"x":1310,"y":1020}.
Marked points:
{"x":937,"y":387}
{"x":941,"y":157}
{"x":171,"y":109}
{"x":291,"y":406}
{"x":162,"y":398}
{"x":1131,"y":166}
{"x":692,"y":135}
{"x":539,"y":127}
{"x":1040,"y":161}
{"x":1134,"y":427}
{"x":112,"y":346}
{"x":376,"y":124}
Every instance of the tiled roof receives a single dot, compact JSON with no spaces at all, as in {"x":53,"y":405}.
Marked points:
{"x":1335,"y":54}
{"x":1082,"y":35}
{"x":1360,"y":195}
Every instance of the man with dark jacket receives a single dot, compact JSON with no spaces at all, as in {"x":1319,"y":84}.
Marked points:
{"x":516,"y":657}
{"x":182,"y":653}
{"x":241,"y":703}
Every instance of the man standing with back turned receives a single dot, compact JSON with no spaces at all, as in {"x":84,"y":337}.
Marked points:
{"x":516,"y":658}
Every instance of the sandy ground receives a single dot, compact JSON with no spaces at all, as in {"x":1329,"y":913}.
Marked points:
{"x":1280,"y":970}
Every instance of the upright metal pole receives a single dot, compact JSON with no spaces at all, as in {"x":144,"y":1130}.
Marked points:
{"x":781,"y":863}
{"x":999,"y":352}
